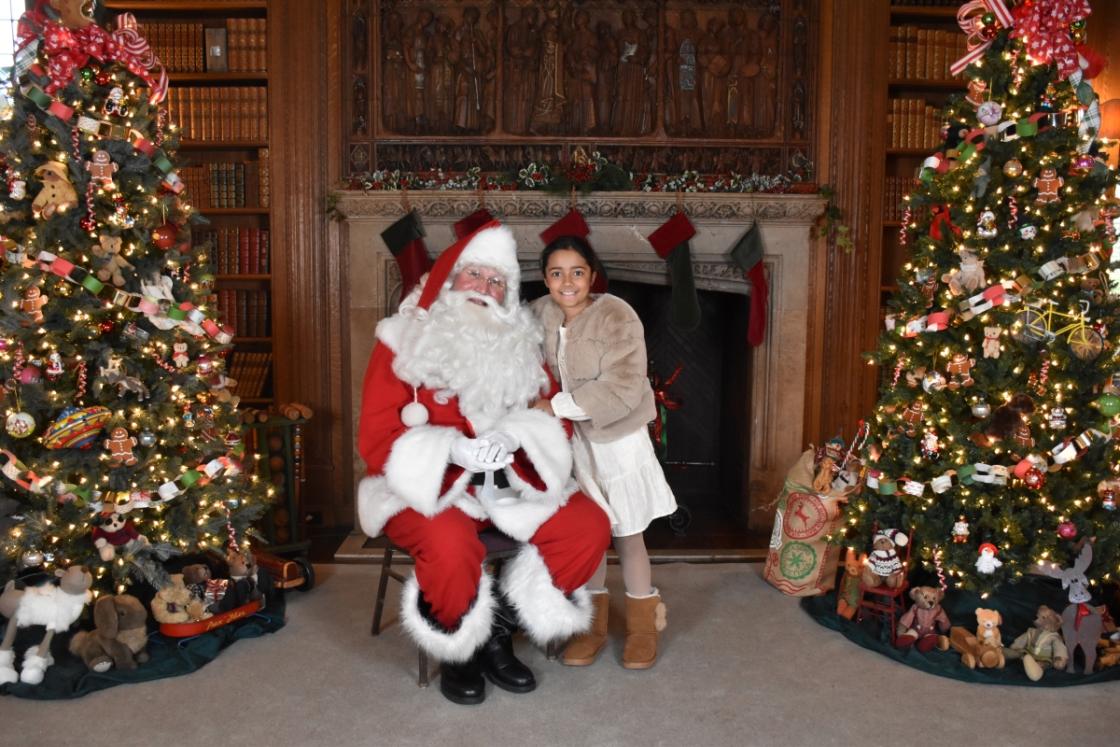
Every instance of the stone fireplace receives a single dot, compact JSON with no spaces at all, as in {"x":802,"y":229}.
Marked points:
{"x":619,"y":223}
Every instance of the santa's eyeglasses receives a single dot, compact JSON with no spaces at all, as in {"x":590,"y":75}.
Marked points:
{"x":493,"y":280}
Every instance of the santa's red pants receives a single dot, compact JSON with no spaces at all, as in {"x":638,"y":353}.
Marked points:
{"x":449,"y":555}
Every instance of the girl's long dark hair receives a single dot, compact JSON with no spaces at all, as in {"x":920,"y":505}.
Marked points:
{"x":577,"y":245}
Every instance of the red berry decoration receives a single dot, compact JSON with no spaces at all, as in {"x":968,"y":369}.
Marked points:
{"x":164,"y":236}
{"x":1067,"y":530}
{"x":1035,"y":478}
{"x":87,"y":223}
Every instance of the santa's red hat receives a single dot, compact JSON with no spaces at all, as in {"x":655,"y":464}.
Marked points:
{"x":490,"y":245}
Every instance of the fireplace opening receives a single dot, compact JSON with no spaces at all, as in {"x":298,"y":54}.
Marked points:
{"x":706,"y":437}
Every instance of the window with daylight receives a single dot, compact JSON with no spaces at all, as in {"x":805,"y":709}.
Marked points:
{"x":10,"y":11}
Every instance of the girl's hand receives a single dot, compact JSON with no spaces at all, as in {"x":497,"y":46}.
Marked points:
{"x":543,"y":405}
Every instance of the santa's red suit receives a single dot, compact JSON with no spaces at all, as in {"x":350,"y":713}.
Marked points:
{"x":442,"y":370}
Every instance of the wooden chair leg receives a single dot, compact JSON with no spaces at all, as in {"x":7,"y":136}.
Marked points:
{"x":422,"y":678}
{"x":382,"y":586}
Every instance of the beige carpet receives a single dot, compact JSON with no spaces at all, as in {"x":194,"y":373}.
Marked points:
{"x":742,"y":665}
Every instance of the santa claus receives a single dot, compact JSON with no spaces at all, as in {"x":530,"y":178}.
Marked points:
{"x":452,"y":447}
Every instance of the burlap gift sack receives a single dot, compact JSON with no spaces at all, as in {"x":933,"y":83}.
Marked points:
{"x":800,"y":562}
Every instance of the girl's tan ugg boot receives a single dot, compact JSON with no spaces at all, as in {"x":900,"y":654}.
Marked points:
{"x":584,"y":649}
{"x":645,"y":618}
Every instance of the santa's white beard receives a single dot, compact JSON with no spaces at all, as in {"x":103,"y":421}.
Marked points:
{"x":487,"y":356}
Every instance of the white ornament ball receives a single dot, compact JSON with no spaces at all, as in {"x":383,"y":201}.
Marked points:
{"x":414,"y":414}
{"x":989,"y":113}
{"x":1028,"y":232}
{"x":981,"y":409}
{"x":933,"y":381}
{"x":20,"y":425}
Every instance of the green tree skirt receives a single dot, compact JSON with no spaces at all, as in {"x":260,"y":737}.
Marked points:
{"x":1016,"y":604}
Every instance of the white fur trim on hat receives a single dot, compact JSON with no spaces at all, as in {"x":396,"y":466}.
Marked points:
{"x":545,"y":612}
{"x":898,"y":538}
{"x":492,"y":247}
{"x":458,"y":646}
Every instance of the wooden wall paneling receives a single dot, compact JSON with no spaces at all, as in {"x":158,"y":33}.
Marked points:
{"x":306,"y":276}
{"x":851,"y":106}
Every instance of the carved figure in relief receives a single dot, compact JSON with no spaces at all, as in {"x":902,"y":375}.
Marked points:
{"x":684,"y":112}
{"x":715,"y":66}
{"x":549,"y":107}
{"x":521,"y":71}
{"x":416,"y":59}
{"x":606,"y":69}
{"x":633,"y":57}
{"x":442,"y":56}
{"x":475,"y":66}
{"x":766,"y":90}
{"x":394,"y":74}
{"x":581,"y":62}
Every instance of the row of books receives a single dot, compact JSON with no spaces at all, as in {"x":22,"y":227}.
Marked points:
{"x":225,"y":113}
{"x":250,"y":371}
{"x":923,"y":54}
{"x":895,"y":189}
{"x":224,"y":184}
{"x":912,"y":123}
{"x":240,"y":46}
{"x":246,"y":310}
{"x":238,"y":251}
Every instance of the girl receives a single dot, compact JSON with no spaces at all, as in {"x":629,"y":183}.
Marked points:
{"x":595,"y":346}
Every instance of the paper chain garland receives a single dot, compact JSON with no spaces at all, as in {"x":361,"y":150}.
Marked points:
{"x":185,"y":316}
{"x":989,"y":474}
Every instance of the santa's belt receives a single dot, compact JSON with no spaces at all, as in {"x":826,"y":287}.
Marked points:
{"x":500,"y":481}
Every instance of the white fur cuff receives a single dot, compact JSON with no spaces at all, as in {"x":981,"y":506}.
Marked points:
{"x":545,"y":612}
{"x":547,"y":446}
{"x":416,"y":465}
{"x":456,"y":647}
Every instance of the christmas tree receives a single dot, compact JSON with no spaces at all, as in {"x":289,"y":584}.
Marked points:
{"x":995,"y":438}
{"x":121,"y":443}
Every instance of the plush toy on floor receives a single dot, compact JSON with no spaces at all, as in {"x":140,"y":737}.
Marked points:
{"x":120,"y":636}
{"x":173,"y":603}
{"x":1081,"y":622}
{"x":1042,"y":646}
{"x":985,"y":648}
{"x":925,"y":624}
{"x":54,"y":606}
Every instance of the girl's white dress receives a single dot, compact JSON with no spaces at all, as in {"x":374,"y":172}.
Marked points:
{"x":623,"y":474}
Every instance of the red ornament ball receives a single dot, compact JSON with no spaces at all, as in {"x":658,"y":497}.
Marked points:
{"x":1067,"y":530}
{"x":1035,"y":478}
{"x":106,"y":326}
{"x":164,"y":237}
{"x":102,"y":78}
{"x":88,"y":223}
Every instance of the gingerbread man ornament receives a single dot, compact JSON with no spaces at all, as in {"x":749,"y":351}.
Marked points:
{"x":120,"y":446}
{"x":74,"y":14}
{"x":33,"y":303}
{"x":1048,"y":183}
{"x":101,"y":169}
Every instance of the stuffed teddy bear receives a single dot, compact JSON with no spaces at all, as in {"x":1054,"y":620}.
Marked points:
{"x":847,"y":596}
{"x":243,"y":579}
{"x":925,"y":624}
{"x":108,"y":251}
{"x":115,"y":532}
{"x":1042,"y":646}
{"x":119,"y":638}
{"x":985,"y":648}
{"x":208,"y":590}
{"x":884,"y":567}
{"x":173,"y":603}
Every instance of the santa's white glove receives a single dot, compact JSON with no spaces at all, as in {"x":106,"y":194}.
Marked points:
{"x":478,"y":455}
{"x":505,"y":438}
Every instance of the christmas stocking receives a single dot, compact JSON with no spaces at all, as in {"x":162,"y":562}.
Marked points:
{"x":405,"y":240}
{"x":747,"y":253}
{"x":573,"y":224}
{"x":670,"y":241}
{"x":466,"y":226}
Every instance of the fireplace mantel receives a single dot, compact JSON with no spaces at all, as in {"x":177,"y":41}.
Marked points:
{"x":619,"y":223}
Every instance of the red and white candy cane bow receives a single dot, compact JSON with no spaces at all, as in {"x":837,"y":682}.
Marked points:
{"x":969,"y":17}
{"x":1044,"y":27}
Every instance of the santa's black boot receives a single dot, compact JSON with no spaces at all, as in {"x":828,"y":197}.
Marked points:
{"x":463,"y":683}
{"x":499,"y":664}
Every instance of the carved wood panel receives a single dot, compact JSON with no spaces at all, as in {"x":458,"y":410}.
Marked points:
{"x":719,"y":85}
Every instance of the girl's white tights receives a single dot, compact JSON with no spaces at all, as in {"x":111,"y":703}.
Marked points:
{"x":636,"y":574}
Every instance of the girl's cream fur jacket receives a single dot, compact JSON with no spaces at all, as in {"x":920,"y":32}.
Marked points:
{"x":606,"y":365}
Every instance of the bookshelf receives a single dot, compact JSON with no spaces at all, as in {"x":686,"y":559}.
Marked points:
{"x":923,"y":41}
{"x":216,"y":56}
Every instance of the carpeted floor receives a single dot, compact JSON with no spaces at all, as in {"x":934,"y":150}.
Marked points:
{"x":742,"y":665}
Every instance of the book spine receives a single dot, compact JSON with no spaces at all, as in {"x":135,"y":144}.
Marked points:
{"x":265,"y":251}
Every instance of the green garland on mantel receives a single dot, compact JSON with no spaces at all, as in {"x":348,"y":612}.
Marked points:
{"x":584,"y":174}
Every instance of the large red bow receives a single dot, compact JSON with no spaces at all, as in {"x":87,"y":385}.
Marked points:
{"x":68,"y":49}
{"x":1044,"y":26}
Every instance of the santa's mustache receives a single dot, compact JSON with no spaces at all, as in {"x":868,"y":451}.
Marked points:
{"x":459,"y":299}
